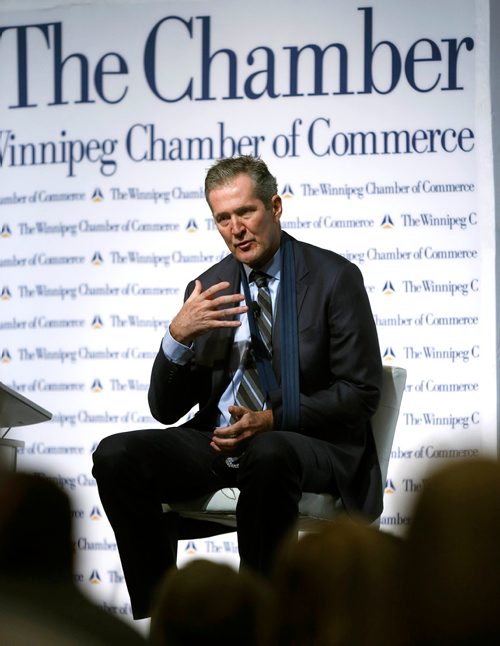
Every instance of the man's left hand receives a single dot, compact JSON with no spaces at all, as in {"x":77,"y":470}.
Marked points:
{"x":231,"y":439}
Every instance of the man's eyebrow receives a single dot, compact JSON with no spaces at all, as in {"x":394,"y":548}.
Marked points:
{"x":243,"y":209}
{"x":220,"y":215}
{"x":239,"y":211}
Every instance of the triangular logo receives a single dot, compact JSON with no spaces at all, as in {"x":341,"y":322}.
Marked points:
{"x":191,"y":226}
{"x":387,"y":222}
{"x":388,"y":288}
{"x":94,"y":577}
{"x":97,"y":323}
{"x":389,"y":354}
{"x":287,"y":191}
{"x":97,"y":195}
{"x":97,"y":259}
{"x":190,"y":547}
{"x":96,"y":386}
{"x":95,"y":513}
{"x":389,"y":486}
{"x":5,"y":294}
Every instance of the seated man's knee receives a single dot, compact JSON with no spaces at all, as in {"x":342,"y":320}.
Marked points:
{"x":270,"y":453}
{"x":110,"y":454}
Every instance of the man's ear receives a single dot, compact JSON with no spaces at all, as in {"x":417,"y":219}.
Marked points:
{"x":277,"y":206}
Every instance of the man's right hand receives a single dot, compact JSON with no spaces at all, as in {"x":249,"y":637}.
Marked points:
{"x":201,"y":312}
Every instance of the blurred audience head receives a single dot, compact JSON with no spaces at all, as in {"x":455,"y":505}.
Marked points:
{"x":39,"y":601}
{"x":452,"y":568}
{"x":333,"y":587}
{"x":208,"y":603}
{"x":35,"y":529}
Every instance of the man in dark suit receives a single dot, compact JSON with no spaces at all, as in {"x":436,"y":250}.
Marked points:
{"x":271,"y":439}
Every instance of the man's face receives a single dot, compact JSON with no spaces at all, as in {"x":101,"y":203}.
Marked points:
{"x":250,"y":230}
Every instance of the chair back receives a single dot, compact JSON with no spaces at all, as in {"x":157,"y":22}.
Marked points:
{"x":314,"y":508}
{"x":386,"y":418}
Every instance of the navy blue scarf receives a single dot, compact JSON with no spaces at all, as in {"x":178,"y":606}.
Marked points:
{"x":287,"y":303}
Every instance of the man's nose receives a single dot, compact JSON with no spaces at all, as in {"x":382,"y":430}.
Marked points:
{"x":237,"y":226}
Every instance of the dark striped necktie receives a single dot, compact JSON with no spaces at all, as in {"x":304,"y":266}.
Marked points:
{"x":250,"y":392}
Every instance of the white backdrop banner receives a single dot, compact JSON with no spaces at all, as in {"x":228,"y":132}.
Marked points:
{"x":375,"y":119}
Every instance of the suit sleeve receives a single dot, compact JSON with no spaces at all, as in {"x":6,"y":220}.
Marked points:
{"x":173,"y":387}
{"x":341,"y":370}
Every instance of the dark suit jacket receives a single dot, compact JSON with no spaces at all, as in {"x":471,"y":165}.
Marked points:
{"x":340,"y":369}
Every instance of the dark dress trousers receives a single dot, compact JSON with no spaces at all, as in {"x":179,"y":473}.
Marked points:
{"x":332,"y":451}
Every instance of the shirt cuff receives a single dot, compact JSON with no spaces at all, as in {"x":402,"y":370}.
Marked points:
{"x":175,"y":351}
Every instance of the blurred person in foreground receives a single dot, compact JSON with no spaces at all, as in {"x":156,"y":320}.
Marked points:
{"x":209,"y":603}
{"x":452,"y":565}
{"x":334,"y":588}
{"x":39,"y":602}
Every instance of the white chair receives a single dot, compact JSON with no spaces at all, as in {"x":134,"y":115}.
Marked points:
{"x":218,"y":510}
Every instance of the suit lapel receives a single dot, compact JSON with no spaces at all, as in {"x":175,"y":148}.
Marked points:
{"x":217,"y":344}
{"x":231,"y":274}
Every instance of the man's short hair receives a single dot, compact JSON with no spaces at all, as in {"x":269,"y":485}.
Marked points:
{"x":225,"y":170}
